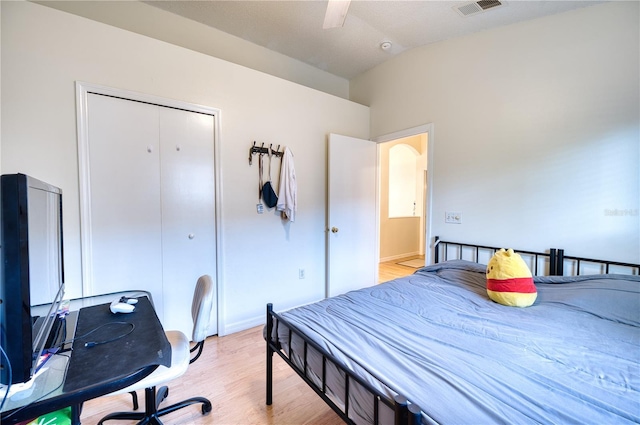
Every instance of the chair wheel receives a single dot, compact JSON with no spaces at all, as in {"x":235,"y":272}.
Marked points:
{"x":161,"y":395}
{"x":206,"y":408}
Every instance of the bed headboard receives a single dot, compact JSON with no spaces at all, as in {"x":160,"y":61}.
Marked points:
{"x":575,"y":266}
{"x":552,"y":263}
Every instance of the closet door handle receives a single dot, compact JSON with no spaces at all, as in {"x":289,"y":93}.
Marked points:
{"x":191,"y":235}
{"x":334,"y":230}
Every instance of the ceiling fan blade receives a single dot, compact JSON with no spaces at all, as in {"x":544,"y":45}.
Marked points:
{"x":336,"y":13}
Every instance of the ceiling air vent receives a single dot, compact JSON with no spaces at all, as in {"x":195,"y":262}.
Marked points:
{"x":476,"y":7}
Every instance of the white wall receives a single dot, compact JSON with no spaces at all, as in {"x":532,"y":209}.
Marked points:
{"x":44,"y":51}
{"x":536,"y":130}
{"x":162,"y":25}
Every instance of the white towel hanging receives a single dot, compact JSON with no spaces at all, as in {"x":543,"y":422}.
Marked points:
{"x":288,"y":196}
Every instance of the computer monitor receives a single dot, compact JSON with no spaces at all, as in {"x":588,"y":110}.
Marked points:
{"x":32,"y":270}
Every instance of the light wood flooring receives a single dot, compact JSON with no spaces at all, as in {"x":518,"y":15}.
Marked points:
{"x":391,"y":269}
{"x":231,"y":373}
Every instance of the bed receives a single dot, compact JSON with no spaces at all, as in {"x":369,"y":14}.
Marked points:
{"x":432,"y":348}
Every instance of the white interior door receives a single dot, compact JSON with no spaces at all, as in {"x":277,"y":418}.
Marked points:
{"x":125,"y":216}
{"x":188,"y":215}
{"x":352,"y":220}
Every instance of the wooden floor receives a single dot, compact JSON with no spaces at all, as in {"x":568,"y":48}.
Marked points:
{"x":391,"y":269}
{"x":231,"y":373}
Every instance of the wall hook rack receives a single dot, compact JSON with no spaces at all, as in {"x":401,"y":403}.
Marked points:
{"x":263,"y":151}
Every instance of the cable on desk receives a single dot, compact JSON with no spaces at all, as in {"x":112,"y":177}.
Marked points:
{"x":94,"y":343}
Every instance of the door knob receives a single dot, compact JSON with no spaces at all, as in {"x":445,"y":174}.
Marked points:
{"x":334,"y":230}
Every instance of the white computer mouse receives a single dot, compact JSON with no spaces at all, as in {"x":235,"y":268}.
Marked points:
{"x":128,"y":300}
{"x":120,"y":307}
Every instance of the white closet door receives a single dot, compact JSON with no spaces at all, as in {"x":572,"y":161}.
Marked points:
{"x":124,"y":181}
{"x":188,"y":215}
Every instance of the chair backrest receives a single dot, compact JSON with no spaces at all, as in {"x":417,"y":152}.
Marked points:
{"x":201,"y":308}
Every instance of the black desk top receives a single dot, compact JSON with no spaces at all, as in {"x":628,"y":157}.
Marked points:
{"x":136,"y":345}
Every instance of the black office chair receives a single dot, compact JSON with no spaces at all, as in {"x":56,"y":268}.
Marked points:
{"x":180,"y":359}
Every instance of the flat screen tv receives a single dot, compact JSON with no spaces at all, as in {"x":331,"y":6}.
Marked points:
{"x":32,"y":271}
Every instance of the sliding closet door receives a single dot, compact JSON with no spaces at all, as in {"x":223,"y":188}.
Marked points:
{"x":125,"y":209}
{"x":188,"y":215}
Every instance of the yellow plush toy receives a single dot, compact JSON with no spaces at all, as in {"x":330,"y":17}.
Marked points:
{"x":509,"y":280}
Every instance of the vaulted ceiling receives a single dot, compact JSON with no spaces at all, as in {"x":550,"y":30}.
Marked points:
{"x":295,"y":28}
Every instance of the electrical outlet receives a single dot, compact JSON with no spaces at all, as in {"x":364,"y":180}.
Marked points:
{"x":300,"y":273}
{"x":453,"y":217}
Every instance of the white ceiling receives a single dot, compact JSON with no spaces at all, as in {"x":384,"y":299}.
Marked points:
{"x":294,"y":28}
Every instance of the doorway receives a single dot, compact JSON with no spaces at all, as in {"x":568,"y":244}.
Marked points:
{"x":403,"y":176}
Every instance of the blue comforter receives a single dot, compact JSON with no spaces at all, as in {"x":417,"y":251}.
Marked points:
{"x":436,"y":338}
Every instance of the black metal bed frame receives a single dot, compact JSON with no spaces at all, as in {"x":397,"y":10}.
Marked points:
{"x":404,"y":411}
{"x":557,"y":259}
{"x":441,"y":254}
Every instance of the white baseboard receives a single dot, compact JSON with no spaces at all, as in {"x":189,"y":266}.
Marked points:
{"x":228,"y":329}
{"x":243,"y":325}
{"x":397,"y":257}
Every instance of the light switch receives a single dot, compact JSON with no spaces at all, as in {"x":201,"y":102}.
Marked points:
{"x":453,"y":217}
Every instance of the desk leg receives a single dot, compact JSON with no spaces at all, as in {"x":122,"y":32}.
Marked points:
{"x":76,"y":410}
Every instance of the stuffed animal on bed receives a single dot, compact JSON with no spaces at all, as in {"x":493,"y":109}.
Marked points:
{"x":509,"y":281}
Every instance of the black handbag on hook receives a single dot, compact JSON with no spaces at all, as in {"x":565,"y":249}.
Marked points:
{"x":268,"y":194}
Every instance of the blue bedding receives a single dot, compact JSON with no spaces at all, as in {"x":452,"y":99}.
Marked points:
{"x":436,"y":338}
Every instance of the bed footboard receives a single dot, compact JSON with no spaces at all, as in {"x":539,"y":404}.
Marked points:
{"x":384,"y":409}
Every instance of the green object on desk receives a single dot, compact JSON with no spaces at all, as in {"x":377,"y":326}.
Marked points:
{"x":59,"y":417}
